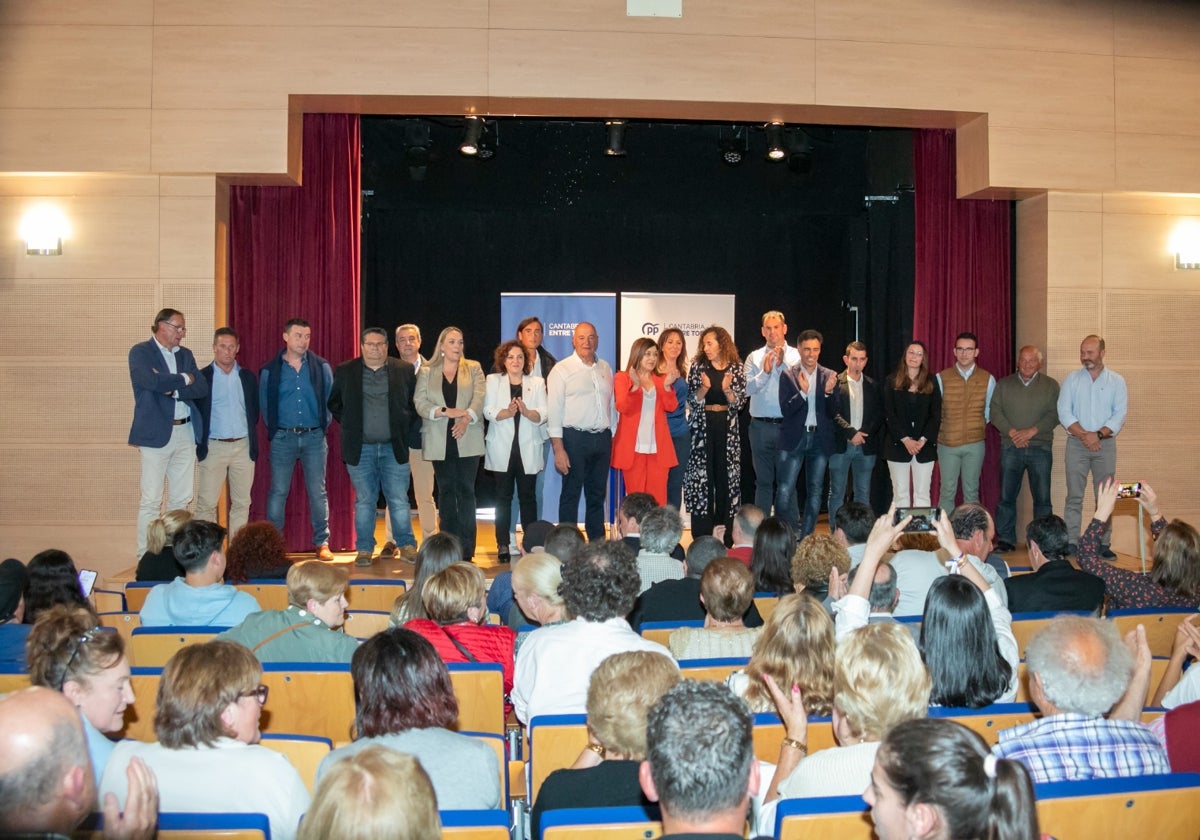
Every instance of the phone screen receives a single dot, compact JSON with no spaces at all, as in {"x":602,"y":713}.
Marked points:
{"x":87,"y":580}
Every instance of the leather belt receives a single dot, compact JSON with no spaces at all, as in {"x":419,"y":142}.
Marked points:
{"x":810,"y":428}
{"x":229,"y":440}
{"x":299,"y":430}
{"x":181,"y":422}
{"x":717,"y":408}
{"x":588,"y":431}
{"x":775,"y":420}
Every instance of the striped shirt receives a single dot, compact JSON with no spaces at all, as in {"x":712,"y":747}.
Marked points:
{"x":1073,"y":747}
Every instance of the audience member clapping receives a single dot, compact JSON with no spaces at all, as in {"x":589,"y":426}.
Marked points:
{"x":374,"y":793}
{"x":207,"y":758}
{"x":69,"y":653}
{"x":53,"y":579}
{"x":257,"y":551}
{"x":726,"y":591}
{"x":405,"y":702}
{"x":795,"y":649}
{"x":158,"y":563}
{"x":437,"y":552}
{"x":621,"y":692}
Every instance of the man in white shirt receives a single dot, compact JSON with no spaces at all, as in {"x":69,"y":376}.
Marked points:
{"x":580,"y":428}
{"x":599,"y":587}
{"x":762,"y":369}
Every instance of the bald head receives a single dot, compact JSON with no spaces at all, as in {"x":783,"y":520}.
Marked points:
{"x":46,"y":781}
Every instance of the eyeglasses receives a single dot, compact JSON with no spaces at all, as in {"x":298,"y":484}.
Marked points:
{"x":964,"y":349}
{"x":376,"y":344}
{"x":177,"y":327}
{"x":77,"y":644}
{"x":261,"y":693}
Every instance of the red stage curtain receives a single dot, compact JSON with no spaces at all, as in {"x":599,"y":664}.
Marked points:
{"x":963,"y":277}
{"x":294,"y":253}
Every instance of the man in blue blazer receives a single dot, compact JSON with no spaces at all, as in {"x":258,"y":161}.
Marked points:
{"x":166,"y":386}
{"x":228,"y":445}
{"x":806,"y":435}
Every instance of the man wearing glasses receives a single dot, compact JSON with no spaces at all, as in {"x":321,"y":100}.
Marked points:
{"x":966,"y":402}
{"x":166,"y":386}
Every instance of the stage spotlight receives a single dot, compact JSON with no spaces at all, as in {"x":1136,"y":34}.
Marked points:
{"x":417,"y":141}
{"x":471,"y":135}
{"x":775,"y":148}
{"x":616,"y":138}
{"x":733,"y":143}
{"x":800,"y":152}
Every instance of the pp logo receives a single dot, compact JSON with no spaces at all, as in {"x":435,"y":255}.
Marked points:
{"x":650,"y":328}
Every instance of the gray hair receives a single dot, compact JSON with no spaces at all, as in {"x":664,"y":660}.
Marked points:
{"x":35,"y":783}
{"x":661,"y":529}
{"x":883,"y":595}
{"x":412,"y":327}
{"x":701,"y":552}
{"x":967,"y":519}
{"x":700,"y":771}
{"x":748,"y":518}
{"x":1082,"y":662}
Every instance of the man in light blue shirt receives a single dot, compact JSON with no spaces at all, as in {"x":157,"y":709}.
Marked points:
{"x":762,"y":369}
{"x":1092,"y":405}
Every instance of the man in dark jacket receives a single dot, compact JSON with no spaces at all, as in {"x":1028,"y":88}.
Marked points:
{"x":1055,"y":584}
{"x":858,"y":412}
{"x":372,"y":398}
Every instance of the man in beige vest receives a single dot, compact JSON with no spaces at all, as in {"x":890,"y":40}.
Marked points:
{"x":966,"y":400}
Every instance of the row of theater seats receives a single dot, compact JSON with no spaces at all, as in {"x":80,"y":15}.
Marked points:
{"x":362,"y":593}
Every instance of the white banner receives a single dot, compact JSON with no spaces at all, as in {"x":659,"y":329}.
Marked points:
{"x":648,"y":314}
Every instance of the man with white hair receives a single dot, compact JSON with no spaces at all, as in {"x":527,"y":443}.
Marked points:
{"x":661,"y":530}
{"x":1078,"y":670}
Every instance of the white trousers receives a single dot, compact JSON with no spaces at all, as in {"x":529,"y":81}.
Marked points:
{"x":174,"y":465}
{"x":922,"y":477}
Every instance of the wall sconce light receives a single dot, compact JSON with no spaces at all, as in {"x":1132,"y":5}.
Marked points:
{"x":44,"y":228}
{"x":1185,"y":245}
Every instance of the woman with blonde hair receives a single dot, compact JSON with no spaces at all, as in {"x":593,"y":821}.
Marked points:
{"x":795,"y":649}
{"x":158,"y":563}
{"x":535,"y":582}
{"x":879,"y":680}
{"x":449,"y":398}
{"x":307,"y":630}
{"x":374,"y":793}
{"x":641,"y":447}
{"x":207,"y":758}
{"x":672,"y":365}
{"x":68,"y":652}
{"x":621,"y":692}
{"x":712,"y":485}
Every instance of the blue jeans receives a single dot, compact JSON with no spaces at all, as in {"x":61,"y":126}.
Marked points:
{"x":764,"y":449}
{"x":1014,"y":463}
{"x":683,"y":451}
{"x":840,"y":465}
{"x":311,"y":450}
{"x":809,"y":456}
{"x":589,"y":453}
{"x":377,"y":469}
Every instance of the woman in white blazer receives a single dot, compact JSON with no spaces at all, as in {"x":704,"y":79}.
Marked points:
{"x":449,"y":398}
{"x":515,"y":407}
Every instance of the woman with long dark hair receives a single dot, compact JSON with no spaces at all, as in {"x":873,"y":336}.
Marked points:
{"x":771,"y":557}
{"x":716,"y":391}
{"x":672,"y":364}
{"x":53,"y":579}
{"x":912,"y":405}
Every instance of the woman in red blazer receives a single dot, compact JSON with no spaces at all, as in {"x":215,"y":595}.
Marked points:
{"x":642,"y":447}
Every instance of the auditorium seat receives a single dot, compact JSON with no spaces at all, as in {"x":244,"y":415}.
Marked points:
{"x":769,"y":733}
{"x":139,"y":715}
{"x":108,"y":600}
{"x":660,"y":631}
{"x":13,"y":678}
{"x":499,"y":746}
{"x":135,"y":594}
{"x":474,"y":825}
{"x":843,"y":817}
{"x":270,"y":594}
{"x":989,"y":720}
{"x":1160,"y":624}
{"x":711,"y":670}
{"x":151,"y":647}
{"x":626,"y":823}
{"x":766,"y":603}
{"x":123,"y":622}
{"x":192,"y":826}
{"x":362,"y":624}
{"x":365,"y":594}
{"x":1026,"y":624}
{"x":479,"y":688}
{"x":555,"y":741}
{"x":309,"y":699}
{"x":1165,"y":807}
{"x":305,"y":752}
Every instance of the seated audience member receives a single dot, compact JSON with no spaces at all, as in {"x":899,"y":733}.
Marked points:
{"x":726,"y":591}
{"x":934,"y":779}
{"x":599,"y":586}
{"x":564,"y":542}
{"x":679,"y":600}
{"x":974,"y":531}
{"x":52,"y":580}
{"x":374,"y":793}
{"x":702,"y":777}
{"x":437,"y":552}
{"x":879,"y":680}
{"x":456,"y":626}
{"x":46,"y":780}
{"x":745,"y":526}
{"x":1174,"y":578}
{"x":771,"y":559}
{"x":256,"y":552}
{"x":883,"y":595}
{"x":158,"y":563}
{"x":851,"y":526}
{"x":1055,"y":584}
{"x":661,"y":530}
{"x":1078,"y":669}
{"x":536,"y":580}
{"x":795,"y":649}
{"x":307,"y":630}
{"x":620,"y":693}
{"x":629,"y":518}
{"x":199,"y":598}
{"x":13,"y":630}
{"x":816,"y":556}
{"x":405,"y":702}
{"x":1176,"y":688}
{"x":207,"y":758}
{"x":500,"y":593}
{"x":69,"y":653}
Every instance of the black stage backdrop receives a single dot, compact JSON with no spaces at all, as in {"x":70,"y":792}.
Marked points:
{"x":550,"y":211}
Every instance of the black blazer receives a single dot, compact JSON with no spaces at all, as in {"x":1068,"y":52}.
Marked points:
{"x":919,"y":419}
{"x":872,"y":419}
{"x":346,"y":406}
{"x":1055,"y":586}
{"x":250,"y":396}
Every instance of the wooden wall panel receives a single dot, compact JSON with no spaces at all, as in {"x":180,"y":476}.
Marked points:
{"x":1136,"y":254}
{"x":112,"y":315}
{"x":75,"y":140}
{"x":92,"y":485}
{"x":607,"y":65}
{"x":230,"y":141}
{"x":78,"y":12}
{"x":186,"y":236}
{"x":1075,"y":260}
{"x":1156,"y":29}
{"x":1043,"y":25}
{"x":223,"y":67}
{"x":75,"y":67}
{"x":1010,"y":86}
{"x":1032,"y":158}
{"x":1158,"y":95}
{"x":764,"y":18}
{"x":110,"y":237}
{"x":1166,"y":163}
{"x":44,"y":186}
{"x":372,"y":13}
{"x":59,"y":397}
